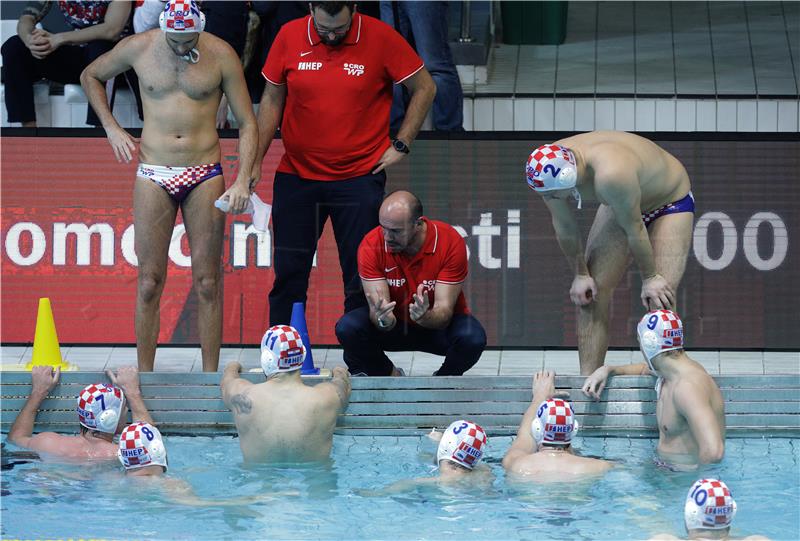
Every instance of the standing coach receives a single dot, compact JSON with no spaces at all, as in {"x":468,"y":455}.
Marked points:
{"x":329,"y":83}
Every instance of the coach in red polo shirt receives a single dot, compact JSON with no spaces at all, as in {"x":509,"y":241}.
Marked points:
{"x":412,"y":269}
{"x":329,"y":83}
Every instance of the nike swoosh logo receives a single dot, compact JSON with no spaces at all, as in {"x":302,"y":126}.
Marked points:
{"x":306,"y":53}
{"x":389,"y":270}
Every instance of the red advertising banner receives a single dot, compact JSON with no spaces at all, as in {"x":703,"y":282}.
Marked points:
{"x":67,"y":234}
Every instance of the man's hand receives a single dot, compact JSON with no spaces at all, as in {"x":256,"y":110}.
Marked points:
{"x":544,"y":386}
{"x":434,"y":435}
{"x":390,"y":157}
{"x":38,"y":43}
{"x":583,"y":290}
{"x":238,"y":195}
{"x":122,"y":143}
{"x":657,"y":293}
{"x":126,"y":378}
{"x":384,"y":311}
{"x":595,"y":383}
{"x":420,"y":305}
{"x":44,"y":379}
{"x":234,"y":366}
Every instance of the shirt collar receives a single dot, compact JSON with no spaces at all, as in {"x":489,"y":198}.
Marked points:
{"x":351,"y":38}
{"x":431,"y":237}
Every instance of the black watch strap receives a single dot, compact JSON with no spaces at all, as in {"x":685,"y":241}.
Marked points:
{"x":400,"y":146}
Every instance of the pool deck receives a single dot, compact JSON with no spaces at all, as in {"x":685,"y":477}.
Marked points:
{"x":491,"y":363}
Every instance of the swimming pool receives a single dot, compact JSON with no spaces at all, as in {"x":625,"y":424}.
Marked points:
{"x":336,"y":500}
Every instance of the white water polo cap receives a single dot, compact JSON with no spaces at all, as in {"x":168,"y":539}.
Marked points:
{"x":100,"y":406}
{"x":182,"y":16}
{"x":659,"y":331}
{"x":140,"y":445}
{"x":462,"y":443}
{"x":555,"y":423}
{"x":553,"y":167}
{"x":282,"y":350}
{"x":709,"y":505}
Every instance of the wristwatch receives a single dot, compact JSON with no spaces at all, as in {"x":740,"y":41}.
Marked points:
{"x":400,"y":146}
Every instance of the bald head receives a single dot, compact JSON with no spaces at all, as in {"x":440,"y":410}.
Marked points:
{"x":402,"y":205}
{"x":400,"y":218}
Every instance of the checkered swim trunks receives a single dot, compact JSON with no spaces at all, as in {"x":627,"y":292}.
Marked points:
{"x":179,"y":181}
{"x":682,"y":205}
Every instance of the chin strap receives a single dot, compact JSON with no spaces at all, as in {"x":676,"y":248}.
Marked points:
{"x":193,"y":56}
{"x":577,"y":195}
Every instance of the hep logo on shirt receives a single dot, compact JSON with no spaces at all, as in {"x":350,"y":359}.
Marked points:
{"x":354,"y":69}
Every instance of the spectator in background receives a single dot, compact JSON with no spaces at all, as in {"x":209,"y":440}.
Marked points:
{"x":329,"y":81}
{"x":412,"y":269}
{"x":424,"y":25}
{"x":272,"y":16}
{"x":34,"y":54}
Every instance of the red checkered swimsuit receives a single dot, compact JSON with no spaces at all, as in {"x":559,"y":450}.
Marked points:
{"x":179,"y":181}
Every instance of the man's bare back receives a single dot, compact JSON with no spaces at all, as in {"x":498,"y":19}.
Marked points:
{"x":85,"y":447}
{"x":282,"y":419}
{"x":662,"y":178}
{"x":557,"y":466}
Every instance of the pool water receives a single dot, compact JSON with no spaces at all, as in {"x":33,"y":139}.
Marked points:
{"x":342,"y":499}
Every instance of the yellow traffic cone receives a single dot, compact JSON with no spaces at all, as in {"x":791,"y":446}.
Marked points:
{"x":46,"y":351}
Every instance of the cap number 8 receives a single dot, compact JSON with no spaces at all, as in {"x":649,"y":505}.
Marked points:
{"x":149,"y":433}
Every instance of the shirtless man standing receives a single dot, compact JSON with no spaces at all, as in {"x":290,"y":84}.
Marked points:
{"x":690,"y":408}
{"x":542,"y":449}
{"x":102,"y":411}
{"x":646,"y":208}
{"x":183,"y":73}
{"x":283,"y":419}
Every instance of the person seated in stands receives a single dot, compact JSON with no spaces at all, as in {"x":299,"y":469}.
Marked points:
{"x":708,"y":513}
{"x":690,"y":410}
{"x":35,"y":54}
{"x":102,"y":411}
{"x":542,"y":451}
{"x":283,"y":419}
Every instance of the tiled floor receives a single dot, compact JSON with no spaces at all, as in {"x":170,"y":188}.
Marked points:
{"x":658,"y":48}
{"x":492,"y":363}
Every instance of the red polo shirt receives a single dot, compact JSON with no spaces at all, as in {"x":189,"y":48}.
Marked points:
{"x":336,"y":117}
{"x":442,"y":259}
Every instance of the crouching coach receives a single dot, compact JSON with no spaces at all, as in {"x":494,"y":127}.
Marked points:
{"x":412,"y":269}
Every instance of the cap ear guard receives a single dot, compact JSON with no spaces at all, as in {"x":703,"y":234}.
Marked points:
{"x":269,"y":362}
{"x":648,"y":342}
{"x":107,"y":420}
